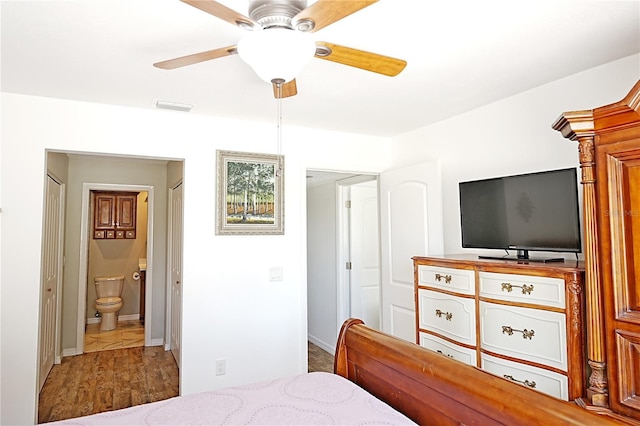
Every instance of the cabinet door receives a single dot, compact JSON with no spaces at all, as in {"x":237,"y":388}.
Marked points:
{"x":126,"y":213}
{"x":619,"y":227}
{"x":104,"y":211}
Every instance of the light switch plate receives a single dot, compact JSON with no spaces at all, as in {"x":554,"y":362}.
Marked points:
{"x":275,"y":273}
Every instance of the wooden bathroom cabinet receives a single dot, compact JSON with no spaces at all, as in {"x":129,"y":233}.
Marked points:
{"x":114,"y":214}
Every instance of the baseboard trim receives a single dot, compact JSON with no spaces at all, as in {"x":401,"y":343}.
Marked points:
{"x":69,"y":352}
{"x":128,"y":317}
{"x":321,"y":344}
{"x":157,"y":342}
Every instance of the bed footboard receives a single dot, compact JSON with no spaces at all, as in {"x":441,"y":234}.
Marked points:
{"x":432,"y":389}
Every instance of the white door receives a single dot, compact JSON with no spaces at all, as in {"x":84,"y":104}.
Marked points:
{"x":51,"y":276}
{"x":365,"y":254}
{"x":410,"y":225}
{"x":175,"y":259}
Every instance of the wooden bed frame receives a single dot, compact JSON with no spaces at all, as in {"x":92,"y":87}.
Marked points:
{"x":432,"y":389}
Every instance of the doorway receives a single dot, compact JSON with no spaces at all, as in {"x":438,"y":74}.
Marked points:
{"x":359,"y":250}
{"x":92,"y":252}
{"x":331,"y":224}
{"x":80,"y":173}
{"x":126,"y":257}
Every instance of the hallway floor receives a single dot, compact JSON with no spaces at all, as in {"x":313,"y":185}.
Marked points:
{"x":319,"y":359}
{"x":107,"y":380}
{"x":104,"y":380}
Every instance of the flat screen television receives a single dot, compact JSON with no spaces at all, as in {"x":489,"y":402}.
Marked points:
{"x":527,"y":212}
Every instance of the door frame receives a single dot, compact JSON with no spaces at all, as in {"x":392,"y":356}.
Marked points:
{"x":85,"y":236}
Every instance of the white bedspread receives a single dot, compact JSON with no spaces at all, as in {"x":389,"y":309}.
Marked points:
{"x":307,"y":399}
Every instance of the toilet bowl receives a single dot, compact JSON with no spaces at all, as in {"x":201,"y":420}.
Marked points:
{"x":109,"y":302}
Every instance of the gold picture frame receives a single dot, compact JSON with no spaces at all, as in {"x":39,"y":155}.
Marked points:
{"x":250,"y":193}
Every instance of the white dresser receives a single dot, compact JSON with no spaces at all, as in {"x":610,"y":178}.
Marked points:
{"x":520,"y":321}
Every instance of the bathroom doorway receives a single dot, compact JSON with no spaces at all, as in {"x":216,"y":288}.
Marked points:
{"x":117,"y":253}
{"x":130,"y":258}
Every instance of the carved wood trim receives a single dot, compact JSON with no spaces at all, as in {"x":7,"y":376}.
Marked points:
{"x":579,"y":126}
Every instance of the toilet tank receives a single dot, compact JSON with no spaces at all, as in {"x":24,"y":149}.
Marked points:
{"x":109,"y":286}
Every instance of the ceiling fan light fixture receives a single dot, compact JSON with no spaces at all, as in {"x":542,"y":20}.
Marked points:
{"x":276,"y":53}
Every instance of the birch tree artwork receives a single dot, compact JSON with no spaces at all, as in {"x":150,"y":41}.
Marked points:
{"x":249,"y":193}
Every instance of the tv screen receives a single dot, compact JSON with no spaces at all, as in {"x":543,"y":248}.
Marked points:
{"x":534,"y":211}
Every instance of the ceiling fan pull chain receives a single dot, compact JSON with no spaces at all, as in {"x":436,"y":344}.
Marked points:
{"x":279,"y":83}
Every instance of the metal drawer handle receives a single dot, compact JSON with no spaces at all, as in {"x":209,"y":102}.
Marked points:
{"x":526,"y":289}
{"x":526,"y":334}
{"x":525,"y":382}
{"x":447,"y":315}
{"x":447,"y":278}
{"x":440,"y":352}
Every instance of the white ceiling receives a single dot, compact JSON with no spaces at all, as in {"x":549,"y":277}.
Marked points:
{"x":461,"y":55}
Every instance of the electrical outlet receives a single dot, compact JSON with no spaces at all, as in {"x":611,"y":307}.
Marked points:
{"x":221,"y":367}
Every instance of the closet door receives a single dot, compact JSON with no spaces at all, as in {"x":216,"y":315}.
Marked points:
{"x":175,"y":264}
{"x":618,"y":169}
{"x":51,"y":276}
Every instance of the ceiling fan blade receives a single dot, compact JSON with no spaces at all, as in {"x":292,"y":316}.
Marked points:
{"x":196,"y":58}
{"x":326,"y":12}
{"x":223,"y":12}
{"x":360,"y":59}
{"x":287,"y":89}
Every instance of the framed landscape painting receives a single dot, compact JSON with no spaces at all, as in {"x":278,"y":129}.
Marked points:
{"x":250,"y":194}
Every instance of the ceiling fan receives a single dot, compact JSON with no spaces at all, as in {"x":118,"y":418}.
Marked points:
{"x":273,"y":22}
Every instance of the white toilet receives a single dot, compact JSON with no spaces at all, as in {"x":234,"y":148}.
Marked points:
{"x":109,"y":302}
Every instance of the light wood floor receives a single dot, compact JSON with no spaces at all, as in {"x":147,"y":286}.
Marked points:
{"x":128,"y":334}
{"x":112,"y":379}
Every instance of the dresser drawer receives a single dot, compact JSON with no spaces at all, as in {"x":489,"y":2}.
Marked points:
{"x":529,"y":334}
{"x":458,"y":280}
{"x":544,"y":381}
{"x":450,"y":316}
{"x":446,"y":348}
{"x":523,"y":288}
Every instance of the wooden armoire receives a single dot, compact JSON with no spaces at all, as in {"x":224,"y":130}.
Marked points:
{"x":609,"y":149}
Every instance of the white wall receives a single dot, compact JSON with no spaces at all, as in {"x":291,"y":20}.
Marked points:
{"x":230,"y":308}
{"x":511,"y":136}
{"x":322,"y":276}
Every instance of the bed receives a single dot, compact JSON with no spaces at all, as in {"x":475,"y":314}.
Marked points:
{"x":379,"y":379}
